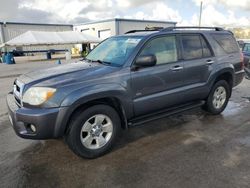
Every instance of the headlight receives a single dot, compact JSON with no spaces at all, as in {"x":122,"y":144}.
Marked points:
{"x":38,"y":95}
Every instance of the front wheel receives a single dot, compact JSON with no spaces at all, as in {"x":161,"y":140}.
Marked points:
{"x":93,"y":131}
{"x":218,"y":97}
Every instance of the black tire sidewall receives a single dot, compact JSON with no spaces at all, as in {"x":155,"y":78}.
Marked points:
{"x":209,"y":103}
{"x":73,"y":135}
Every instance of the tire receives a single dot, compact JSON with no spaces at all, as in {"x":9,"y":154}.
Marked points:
{"x":86,"y":135}
{"x":215,"y":104}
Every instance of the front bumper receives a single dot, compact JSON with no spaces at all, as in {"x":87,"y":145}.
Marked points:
{"x":247,"y":71}
{"x":46,"y":121}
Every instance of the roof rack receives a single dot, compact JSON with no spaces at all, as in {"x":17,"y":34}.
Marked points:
{"x":175,"y":28}
{"x":146,"y":30}
{"x":191,"y":27}
{"x":135,"y":31}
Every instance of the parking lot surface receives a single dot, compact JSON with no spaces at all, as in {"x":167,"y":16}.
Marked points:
{"x":192,"y":149}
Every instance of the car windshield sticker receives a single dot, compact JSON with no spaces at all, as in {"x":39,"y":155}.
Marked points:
{"x":133,"y":41}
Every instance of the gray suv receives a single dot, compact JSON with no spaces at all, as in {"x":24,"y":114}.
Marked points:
{"x":125,"y":81}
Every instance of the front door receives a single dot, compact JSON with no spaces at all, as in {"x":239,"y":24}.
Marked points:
{"x":157,"y":87}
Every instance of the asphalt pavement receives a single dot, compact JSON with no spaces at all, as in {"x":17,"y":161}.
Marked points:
{"x":192,"y":149}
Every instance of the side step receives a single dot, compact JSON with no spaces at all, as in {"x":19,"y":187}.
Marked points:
{"x":164,"y":113}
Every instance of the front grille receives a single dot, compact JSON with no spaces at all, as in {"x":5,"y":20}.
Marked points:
{"x":18,"y":101}
{"x":17,"y":91}
{"x":18,"y":88}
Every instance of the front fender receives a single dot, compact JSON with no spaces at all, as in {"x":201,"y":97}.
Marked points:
{"x":84,"y":95}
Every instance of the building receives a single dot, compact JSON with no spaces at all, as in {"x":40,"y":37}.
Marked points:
{"x":102,"y":29}
{"x":117,"y":26}
{"x":10,"y":30}
{"x":106,"y":28}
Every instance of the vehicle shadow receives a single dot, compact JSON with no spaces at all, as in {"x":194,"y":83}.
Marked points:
{"x":170,"y":123}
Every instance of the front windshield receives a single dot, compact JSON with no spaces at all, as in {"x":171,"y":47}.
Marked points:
{"x":115,"y":50}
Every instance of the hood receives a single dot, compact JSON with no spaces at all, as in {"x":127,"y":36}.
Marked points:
{"x":66,"y":74}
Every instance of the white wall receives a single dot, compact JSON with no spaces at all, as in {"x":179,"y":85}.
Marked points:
{"x":125,"y":26}
{"x":94,"y":28}
{"x":118,"y":27}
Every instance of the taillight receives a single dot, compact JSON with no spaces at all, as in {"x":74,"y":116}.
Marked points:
{"x":241,"y":60}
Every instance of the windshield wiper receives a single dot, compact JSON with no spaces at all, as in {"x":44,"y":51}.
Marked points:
{"x":102,"y":62}
{"x":98,"y":61}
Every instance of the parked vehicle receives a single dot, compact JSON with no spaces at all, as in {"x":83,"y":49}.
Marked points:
{"x":246,"y":53}
{"x":240,"y":43}
{"x":125,"y":81}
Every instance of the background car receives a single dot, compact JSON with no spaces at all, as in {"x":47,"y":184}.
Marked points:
{"x":246,"y":54}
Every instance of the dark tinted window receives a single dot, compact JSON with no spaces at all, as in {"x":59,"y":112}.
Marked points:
{"x":206,"y":50}
{"x":192,"y":48}
{"x":164,"y":48}
{"x":226,"y":42}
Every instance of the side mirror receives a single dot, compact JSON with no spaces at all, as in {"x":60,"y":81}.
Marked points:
{"x":145,"y":61}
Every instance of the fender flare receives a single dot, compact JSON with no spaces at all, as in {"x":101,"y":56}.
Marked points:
{"x":81,"y":96}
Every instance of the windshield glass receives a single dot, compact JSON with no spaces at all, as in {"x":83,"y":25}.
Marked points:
{"x":115,"y":50}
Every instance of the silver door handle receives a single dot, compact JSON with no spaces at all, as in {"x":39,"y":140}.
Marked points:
{"x":210,"y":62}
{"x":176,"y":68}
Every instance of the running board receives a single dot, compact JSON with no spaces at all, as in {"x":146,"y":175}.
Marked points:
{"x":164,"y":113}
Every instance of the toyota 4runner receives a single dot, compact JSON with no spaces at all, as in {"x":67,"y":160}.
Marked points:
{"x":125,"y":81}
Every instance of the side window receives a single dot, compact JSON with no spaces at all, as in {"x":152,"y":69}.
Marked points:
{"x":192,"y":47}
{"x":164,"y":48}
{"x":205,"y":48}
{"x":226,"y":42}
{"x":246,"y":48}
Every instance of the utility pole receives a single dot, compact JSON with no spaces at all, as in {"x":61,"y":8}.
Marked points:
{"x":200,"y":14}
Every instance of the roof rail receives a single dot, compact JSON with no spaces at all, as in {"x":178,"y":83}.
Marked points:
{"x":175,"y":28}
{"x":146,"y":30}
{"x":191,"y":27}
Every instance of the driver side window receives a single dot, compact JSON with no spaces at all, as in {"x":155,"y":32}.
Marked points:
{"x":164,"y":48}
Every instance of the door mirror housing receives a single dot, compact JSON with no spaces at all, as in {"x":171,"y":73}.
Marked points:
{"x":145,"y":61}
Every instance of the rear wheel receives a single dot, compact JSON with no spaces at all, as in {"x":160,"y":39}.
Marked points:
{"x":93,"y":131}
{"x":218,"y":97}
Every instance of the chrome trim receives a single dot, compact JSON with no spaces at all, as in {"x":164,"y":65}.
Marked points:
{"x":18,"y":94}
{"x":176,"y":68}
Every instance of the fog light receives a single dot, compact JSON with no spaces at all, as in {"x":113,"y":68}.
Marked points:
{"x":33,"y":128}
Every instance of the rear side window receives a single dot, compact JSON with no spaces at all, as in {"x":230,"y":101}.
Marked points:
{"x":226,"y":42}
{"x":192,"y":47}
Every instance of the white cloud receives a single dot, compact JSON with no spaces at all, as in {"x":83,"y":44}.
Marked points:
{"x":159,"y":11}
{"x":212,"y":17}
{"x":75,"y":11}
{"x":232,"y":4}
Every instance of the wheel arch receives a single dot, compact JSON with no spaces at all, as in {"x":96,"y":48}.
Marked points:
{"x":226,"y":74}
{"x":81,"y":105}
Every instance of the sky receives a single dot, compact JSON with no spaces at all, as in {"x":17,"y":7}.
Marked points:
{"x":227,"y":13}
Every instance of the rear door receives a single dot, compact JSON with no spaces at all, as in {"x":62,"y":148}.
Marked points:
{"x":157,"y":87}
{"x":198,"y":60}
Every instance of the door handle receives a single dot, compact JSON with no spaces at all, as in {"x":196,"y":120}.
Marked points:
{"x":176,"y":68}
{"x":210,"y":62}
